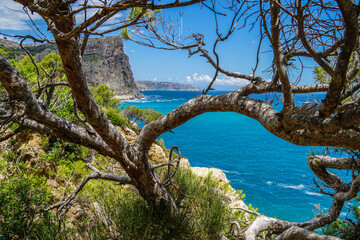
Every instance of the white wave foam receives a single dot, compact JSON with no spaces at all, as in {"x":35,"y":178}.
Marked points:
{"x":169,"y":100}
{"x":152,"y":99}
{"x":139,"y":100}
{"x":226,"y":171}
{"x":298,"y":187}
{"x":312,"y":193}
{"x":269,"y":182}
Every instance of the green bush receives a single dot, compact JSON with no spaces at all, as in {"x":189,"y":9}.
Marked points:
{"x":10,"y":52}
{"x":134,"y":219}
{"x":202,"y":200}
{"x":20,"y":197}
{"x":348,"y":228}
{"x":144,"y":115}
{"x":104,"y":96}
{"x":202,"y":214}
{"x":47,"y":228}
{"x":116,"y":117}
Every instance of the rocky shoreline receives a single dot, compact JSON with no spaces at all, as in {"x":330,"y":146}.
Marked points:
{"x":168,"y":86}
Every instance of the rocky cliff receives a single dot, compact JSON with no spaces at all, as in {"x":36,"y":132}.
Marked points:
{"x":150,"y":85}
{"x":104,"y":62}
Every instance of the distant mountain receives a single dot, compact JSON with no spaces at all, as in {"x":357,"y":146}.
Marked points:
{"x":150,"y":85}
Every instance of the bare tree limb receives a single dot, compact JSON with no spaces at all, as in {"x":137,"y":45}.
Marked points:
{"x":96,"y":174}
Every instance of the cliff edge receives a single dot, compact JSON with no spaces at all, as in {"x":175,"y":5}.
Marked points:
{"x":105,"y":62}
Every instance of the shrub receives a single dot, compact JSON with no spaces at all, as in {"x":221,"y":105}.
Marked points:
{"x":20,"y":197}
{"x":104,"y":96}
{"x":144,"y":115}
{"x":202,"y":211}
{"x":348,"y":228}
{"x":116,"y":117}
{"x":203,"y":201}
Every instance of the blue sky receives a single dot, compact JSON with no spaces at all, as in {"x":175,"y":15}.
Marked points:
{"x":237,"y":54}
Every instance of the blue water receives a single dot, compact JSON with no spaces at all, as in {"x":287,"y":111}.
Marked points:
{"x":273,"y":173}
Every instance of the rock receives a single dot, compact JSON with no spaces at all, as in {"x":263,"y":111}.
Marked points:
{"x":217,"y":174}
{"x":101,"y":214}
{"x":30,"y":144}
{"x":105,"y":62}
{"x":156,"y":154}
{"x":128,"y":133}
{"x":76,"y":211}
{"x":184,"y":163}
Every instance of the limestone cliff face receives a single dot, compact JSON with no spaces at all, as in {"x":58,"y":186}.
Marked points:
{"x":104,"y":62}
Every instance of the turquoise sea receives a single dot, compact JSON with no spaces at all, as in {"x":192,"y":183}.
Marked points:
{"x":273,"y":173}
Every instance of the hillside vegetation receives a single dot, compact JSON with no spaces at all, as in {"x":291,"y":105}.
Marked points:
{"x":39,"y":174}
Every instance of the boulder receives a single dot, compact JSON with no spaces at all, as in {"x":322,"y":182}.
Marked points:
{"x":156,"y":153}
{"x":217,"y":174}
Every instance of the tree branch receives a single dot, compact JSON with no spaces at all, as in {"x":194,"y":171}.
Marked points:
{"x":338,"y":82}
{"x":96,"y":174}
{"x":42,"y":120}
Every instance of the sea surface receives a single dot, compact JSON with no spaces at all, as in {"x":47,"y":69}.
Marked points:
{"x":273,"y":173}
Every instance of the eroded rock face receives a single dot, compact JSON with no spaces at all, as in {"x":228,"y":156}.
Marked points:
{"x":105,"y":62}
{"x":156,"y":153}
{"x":216,"y":173}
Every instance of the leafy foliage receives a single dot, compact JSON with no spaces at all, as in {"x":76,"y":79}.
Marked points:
{"x":20,"y":197}
{"x":11,"y":52}
{"x":116,"y":117}
{"x":323,"y":77}
{"x":149,"y":16}
{"x":104,"y":96}
{"x":203,"y":213}
{"x":348,"y":228}
{"x":206,"y":205}
{"x":2,"y":52}
{"x":144,"y":115}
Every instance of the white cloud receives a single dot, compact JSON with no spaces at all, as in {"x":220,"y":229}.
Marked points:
{"x":13,"y":17}
{"x":220,"y":80}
